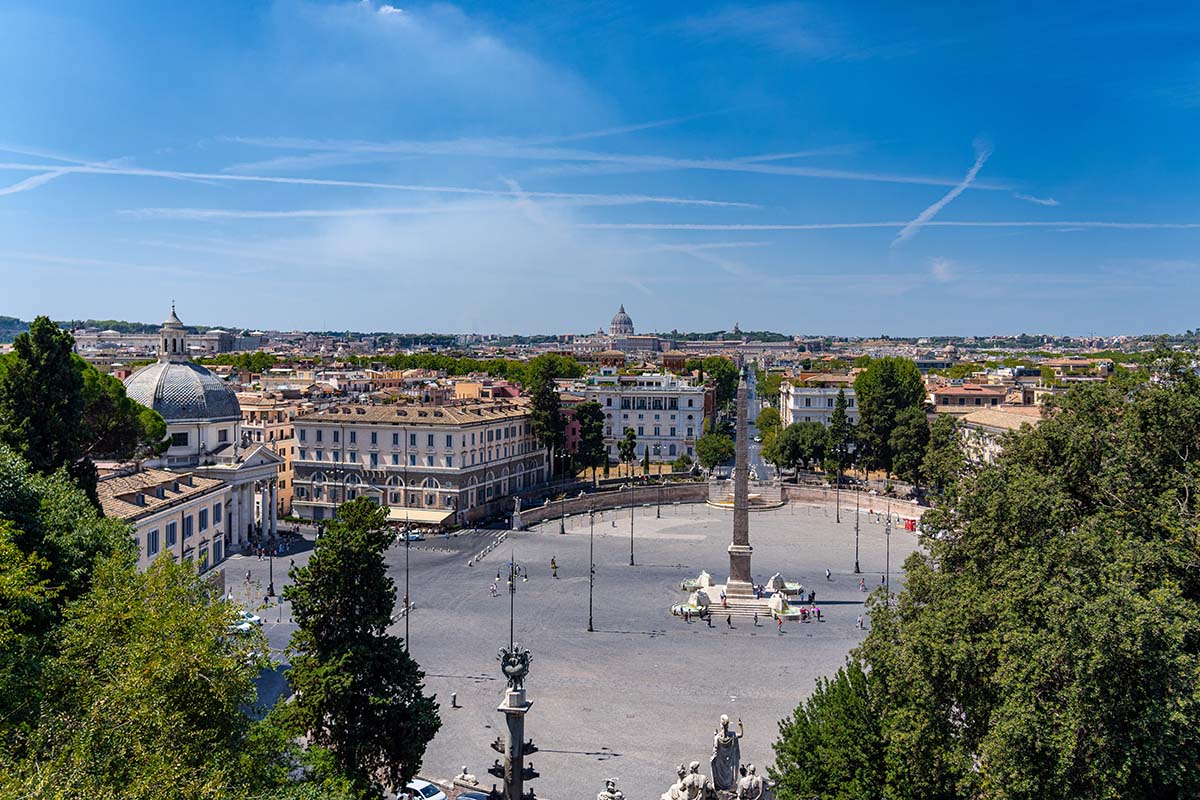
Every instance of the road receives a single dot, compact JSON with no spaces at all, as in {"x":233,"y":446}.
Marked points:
{"x":761,"y":468}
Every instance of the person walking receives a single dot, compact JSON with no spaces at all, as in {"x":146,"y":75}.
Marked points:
{"x":862,"y":584}
{"x":554,"y":567}
{"x":828,"y":574}
{"x":494,"y":592}
{"x":247,"y":576}
{"x":859,"y":624}
{"x":687,"y":615}
{"x":779,"y":623}
{"x":708,"y":618}
{"x":756,"y":619}
{"x":729,"y":620}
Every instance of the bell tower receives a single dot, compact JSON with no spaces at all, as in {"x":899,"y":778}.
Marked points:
{"x":172,"y":339}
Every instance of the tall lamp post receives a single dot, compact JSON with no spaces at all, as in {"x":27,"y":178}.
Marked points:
{"x":631,"y":521}
{"x":856,"y":517}
{"x":591,"y":562}
{"x":407,"y":545}
{"x":887,"y":535}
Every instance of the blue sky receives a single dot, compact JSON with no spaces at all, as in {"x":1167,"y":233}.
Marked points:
{"x":845,"y":168}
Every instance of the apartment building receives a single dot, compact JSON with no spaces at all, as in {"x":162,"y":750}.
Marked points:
{"x":812,"y":396}
{"x":664,"y":410}
{"x":267,"y":420}
{"x":178,"y":514}
{"x":429,"y":465}
{"x":967,"y":397}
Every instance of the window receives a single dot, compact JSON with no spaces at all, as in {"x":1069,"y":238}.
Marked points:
{"x":412,"y":440}
{"x":657,"y":431}
{"x":374,"y":459}
{"x":395,"y":459}
{"x":829,"y":403}
{"x":320,"y":455}
{"x":303,"y":434}
{"x":179,"y":439}
{"x":216,"y":513}
{"x":337,"y":455}
{"x":672,"y":434}
{"x":335,"y":435}
{"x":608,"y":401}
{"x":429,"y":440}
{"x":641,"y":431}
{"x":353,"y":437}
{"x":374,"y":437}
{"x":303,"y":454}
{"x":807,"y":402}
{"x":203,"y":519}
{"x":689,"y":402}
{"x":171,"y":534}
{"x":353,"y":456}
{"x":223,"y":435}
{"x":689,"y":432}
{"x":449,"y":440}
{"x":152,"y":543}
{"x":395,"y":440}
{"x":318,"y":434}
{"x":429,"y":461}
{"x":449,"y":461}
{"x":187,"y":526}
{"x":412,"y":459}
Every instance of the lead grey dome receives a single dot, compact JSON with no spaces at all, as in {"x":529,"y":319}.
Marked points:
{"x":621,"y":324}
{"x":183,"y":392}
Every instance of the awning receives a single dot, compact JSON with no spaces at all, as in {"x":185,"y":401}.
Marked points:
{"x":418,"y":516}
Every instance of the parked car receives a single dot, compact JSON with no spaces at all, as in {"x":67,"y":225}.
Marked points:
{"x":424,"y":789}
{"x":252,"y":619}
{"x":472,"y":796}
{"x":241,"y":627}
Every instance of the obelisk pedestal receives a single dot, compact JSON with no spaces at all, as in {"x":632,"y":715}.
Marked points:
{"x":740,"y":583}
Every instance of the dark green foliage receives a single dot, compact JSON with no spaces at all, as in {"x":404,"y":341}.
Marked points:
{"x":908,"y":443}
{"x":883,"y":390}
{"x":723,"y":375}
{"x":832,"y":746}
{"x":767,"y":421}
{"x":713,"y":449}
{"x":359,"y":694}
{"x":545,"y":406}
{"x":1048,"y":642}
{"x":627,"y":447}
{"x":257,"y":362}
{"x":798,"y":445}
{"x":840,"y":433}
{"x":592,"y":452}
{"x":944,"y":461}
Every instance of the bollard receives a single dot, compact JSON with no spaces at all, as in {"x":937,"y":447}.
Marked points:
{"x":454,"y":699}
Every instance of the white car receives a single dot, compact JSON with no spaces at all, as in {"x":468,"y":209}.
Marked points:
{"x":247,"y":617}
{"x":758,"y":438}
{"x":241,"y":627}
{"x":424,"y":789}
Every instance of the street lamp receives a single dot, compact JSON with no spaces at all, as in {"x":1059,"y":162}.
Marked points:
{"x":591,"y":562}
{"x":887,"y":535}
{"x":631,"y":522}
{"x":856,"y":517}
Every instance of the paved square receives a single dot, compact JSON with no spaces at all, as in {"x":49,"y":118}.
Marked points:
{"x":645,"y":690}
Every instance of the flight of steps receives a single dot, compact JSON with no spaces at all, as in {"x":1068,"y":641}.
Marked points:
{"x":740,"y":608}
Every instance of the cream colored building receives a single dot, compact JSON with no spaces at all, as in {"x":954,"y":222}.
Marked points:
{"x":983,"y":430}
{"x":431,"y":465}
{"x":178,"y":514}
{"x":812,"y":396}
{"x":267,"y":421}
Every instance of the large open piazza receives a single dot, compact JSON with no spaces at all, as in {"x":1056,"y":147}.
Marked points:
{"x":643,"y":692}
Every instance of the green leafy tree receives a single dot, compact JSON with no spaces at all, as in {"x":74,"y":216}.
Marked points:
{"x":944,"y":460}
{"x":147,"y":695}
{"x":545,"y":410}
{"x":767,"y":421}
{"x":627,"y":449}
{"x":358,"y":693}
{"x":115,"y":426}
{"x":908,"y":443}
{"x":26,"y":610}
{"x":42,"y":402}
{"x":713,"y":449}
{"x":723,"y":375}
{"x":883,"y":390}
{"x":682,"y":464}
{"x":832,"y":746}
{"x":646,"y":460}
{"x":839,"y":433}
{"x":592,"y":451}
{"x":798,"y":445}
{"x":1044,"y":643}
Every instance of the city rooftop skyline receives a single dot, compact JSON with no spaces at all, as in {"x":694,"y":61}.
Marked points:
{"x":523,"y":167}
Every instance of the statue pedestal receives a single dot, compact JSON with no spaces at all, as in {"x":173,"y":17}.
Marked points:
{"x":739,"y":583}
{"x":514,"y":708}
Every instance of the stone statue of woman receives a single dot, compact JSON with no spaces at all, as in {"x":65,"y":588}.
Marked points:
{"x":726,"y":757}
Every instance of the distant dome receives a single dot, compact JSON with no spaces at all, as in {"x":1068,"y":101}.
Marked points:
{"x":183,"y":392}
{"x":621,"y":324}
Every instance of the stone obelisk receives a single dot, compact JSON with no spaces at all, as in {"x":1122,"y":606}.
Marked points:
{"x":740,"y":584}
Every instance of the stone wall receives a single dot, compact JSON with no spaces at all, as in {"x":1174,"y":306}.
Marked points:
{"x":801,"y":493}
{"x":599,"y":501}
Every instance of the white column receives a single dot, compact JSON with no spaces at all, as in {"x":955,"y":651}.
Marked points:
{"x":235,"y":515}
{"x":264,"y":492}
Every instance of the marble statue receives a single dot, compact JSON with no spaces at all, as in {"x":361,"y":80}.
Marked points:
{"x":778,"y":603}
{"x":517,"y":505}
{"x":695,"y":786}
{"x":676,"y":792}
{"x":700,"y":599}
{"x":466,"y":777}
{"x":705,"y":580}
{"x":726,"y":757}
{"x":751,"y":787}
{"x":611,"y":792}
{"x":775,"y":584}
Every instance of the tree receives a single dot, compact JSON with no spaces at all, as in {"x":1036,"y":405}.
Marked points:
{"x":592,"y":452}
{"x":115,"y":426}
{"x":646,"y":460}
{"x":832,"y":746}
{"x":767,"y":421}
{"x":713,"y":449}
{"x":42,"y":402}
{"x":627,"y":449}
{"x":724,"y":376}
{"x":358,"y":692}
{"x":545,"y":410}
{"x":1045,"y":641}
{"x":944,"y":459}
{"x":26,"y":611}
{"x":799,"y":445}
{"x":682,"y":464}
{"x":908,"y":442}
{"x":839,"y":433}
{"x":147,"y":693}
{"x":883,"y":390}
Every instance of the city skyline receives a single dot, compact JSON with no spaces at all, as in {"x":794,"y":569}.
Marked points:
{"x":480,"y":168}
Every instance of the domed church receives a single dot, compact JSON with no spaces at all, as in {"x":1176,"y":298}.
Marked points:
{"x":621,"y":324}
{"x":204,"y":423}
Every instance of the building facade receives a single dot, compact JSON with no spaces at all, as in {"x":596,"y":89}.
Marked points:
{"x":666,"y":412}
{"x":812,"y":397}
{"x":267,"y":421}
{"x":182,"y":515}
{"x":434,"y":465}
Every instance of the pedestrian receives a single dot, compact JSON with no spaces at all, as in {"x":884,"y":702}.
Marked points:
{"x":828,"y":574}
{"x":729,"y":620}
{"x":554,"y":567}
{"x":779,"y":622}
{"x":494,"y":592}
{"x":756,"y":619}
{"x":247,"y":576}
{"x":708,"y":618}
{"x":687,"y":614}
{"x":859,"y":624}
{"x":862,"y":584}
{"x":818,"y":610}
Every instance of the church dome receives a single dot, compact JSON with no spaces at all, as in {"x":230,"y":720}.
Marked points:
{"x":621,"y":325}
{"x":183,"y":392}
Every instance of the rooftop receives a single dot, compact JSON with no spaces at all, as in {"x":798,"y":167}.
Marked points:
{"x":456,"y":414}
{"x":157,"y":488}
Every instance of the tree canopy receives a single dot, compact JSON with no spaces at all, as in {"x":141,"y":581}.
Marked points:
{"x":723,"y":375}
{"x":714,"y":448}
{"x":1047,"y":642}
{"x":883,"y":391}
{"x":592,"y":451}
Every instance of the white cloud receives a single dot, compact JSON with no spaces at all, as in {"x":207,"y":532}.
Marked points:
{"x":910,"y":230}
{"x":943,"y":270}
{"x":1041,"y":201}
